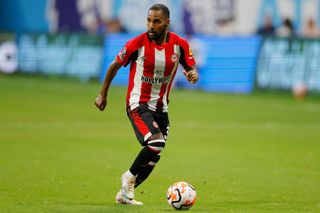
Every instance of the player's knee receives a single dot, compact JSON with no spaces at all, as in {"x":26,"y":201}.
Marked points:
{"x":156,"y":143}
{"x":156,"y":136}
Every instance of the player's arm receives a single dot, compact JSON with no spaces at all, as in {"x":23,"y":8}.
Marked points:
{"x":191,"y":74}
{"x":188,"y":62}
{"x":101,"y":100}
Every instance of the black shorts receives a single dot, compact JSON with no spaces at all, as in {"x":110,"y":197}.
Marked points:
{"x":146,"y":122}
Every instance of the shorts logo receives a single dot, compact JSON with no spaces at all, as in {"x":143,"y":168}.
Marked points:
{"x":174,"y":57}
{"x":190,"y":52}
{"x":123,"y":53}
{"x":155,"y":124}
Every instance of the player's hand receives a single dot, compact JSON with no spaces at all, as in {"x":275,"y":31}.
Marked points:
{"x":192,"y":76}
{"x":100,"y":102}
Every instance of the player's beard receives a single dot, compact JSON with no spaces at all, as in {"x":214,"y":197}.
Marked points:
{"x":157,"y":36}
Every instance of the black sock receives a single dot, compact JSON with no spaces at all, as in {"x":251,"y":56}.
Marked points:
{"x":142,"y":159}
{"x":146,"y":170}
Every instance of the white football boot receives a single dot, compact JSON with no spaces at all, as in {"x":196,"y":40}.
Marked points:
{"x":128,"y":180}
{"x":122,"y":200}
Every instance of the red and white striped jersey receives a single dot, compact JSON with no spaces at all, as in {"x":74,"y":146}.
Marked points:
{"x":153,"y":69}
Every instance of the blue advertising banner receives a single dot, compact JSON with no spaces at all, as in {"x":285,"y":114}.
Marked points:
{"x":113,"y":43}
{"x":77,"y":55}
{"x":285,"y":62}
{"x":230,"y":64}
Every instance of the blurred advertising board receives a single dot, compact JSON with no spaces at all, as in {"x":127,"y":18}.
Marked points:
{"x":226,"y":64}
{"x":113,"y":44}
{"x":230,"y":63}
{"x":285,"y":62}
{"x":8,"y":53}
{"x":78,"y":55}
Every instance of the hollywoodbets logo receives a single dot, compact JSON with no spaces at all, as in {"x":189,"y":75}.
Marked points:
{"x":155,"y":80}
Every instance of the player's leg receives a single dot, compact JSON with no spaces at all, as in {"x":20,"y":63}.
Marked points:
{"x":146,"y":170}
{"x":148,"y":158}
{"x":162,"y":122}
{"x":149,"y":135}
{"x":151,"y":138}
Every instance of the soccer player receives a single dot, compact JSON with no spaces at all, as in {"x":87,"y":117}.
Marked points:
{"x":154,"y":57}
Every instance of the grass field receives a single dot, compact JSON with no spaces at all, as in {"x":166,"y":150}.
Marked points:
{"x":243,"y":153}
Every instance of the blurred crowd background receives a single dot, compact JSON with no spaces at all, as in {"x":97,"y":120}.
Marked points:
{"x":239,"y":45}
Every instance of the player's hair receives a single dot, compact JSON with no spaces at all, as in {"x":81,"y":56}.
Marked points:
{"x":162,"y":7}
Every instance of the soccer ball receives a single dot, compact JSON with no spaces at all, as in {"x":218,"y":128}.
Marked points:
{"x":181,"y":195}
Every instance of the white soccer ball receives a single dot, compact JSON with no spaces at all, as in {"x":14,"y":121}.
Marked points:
{"x":181,"y":195}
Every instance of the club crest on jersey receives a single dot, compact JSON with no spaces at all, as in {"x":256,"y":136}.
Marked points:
{"x":174,"y":57}
{"x":123,"y":53}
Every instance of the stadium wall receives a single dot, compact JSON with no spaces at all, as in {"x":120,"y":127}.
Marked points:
{"x":226,"y":64}
{"x":284,"y":63}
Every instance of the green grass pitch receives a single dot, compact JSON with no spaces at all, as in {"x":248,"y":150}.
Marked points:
{"x":243,"y":153}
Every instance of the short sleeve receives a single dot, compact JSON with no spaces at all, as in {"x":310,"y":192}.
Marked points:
{"x":186,"y":58}
{"x":130,"y":50}
{"x":123,"y":56}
